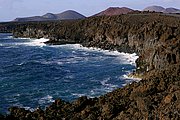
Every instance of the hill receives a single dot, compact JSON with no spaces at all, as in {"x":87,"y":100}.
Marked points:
{"x":162,"y":9}
{"x":114,"y":11}
{"x":67,"y":15}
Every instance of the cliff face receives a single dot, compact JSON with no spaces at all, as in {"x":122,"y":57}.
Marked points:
{"x":154,"y":37}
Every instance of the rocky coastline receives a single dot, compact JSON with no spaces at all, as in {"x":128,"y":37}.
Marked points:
{"x":155,"y":37}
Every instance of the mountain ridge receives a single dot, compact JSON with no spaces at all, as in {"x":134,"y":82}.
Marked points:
{"x":66,"y":15}
{"x":162,"y":9}
{"x":71,"y":14}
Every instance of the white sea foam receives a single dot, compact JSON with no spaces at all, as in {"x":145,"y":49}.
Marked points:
{"x":71,"y":60}
{"x":23,"y":38}
{"x":11,"y":46}
{"x":104,"y":82}
{"x":22,"y":106}
{"x":8,"y":37}
{"x":33,"y":42}
{"x":124,"y":58}
{"x":52,"y":62}
{"x":46,"y":99}
{"x":108,"y":87}
{"x":78,"y":94}
{"x":131,"y":78}
{"x":41,"y":40}
{"x":29,"y":108}
{"x":70,"y":77}
{"x":19,"y":64}
{"x":38,"y":42}
{"x":99,"y":91}
{"x":104,"y":88}
{"x":128,"y":79}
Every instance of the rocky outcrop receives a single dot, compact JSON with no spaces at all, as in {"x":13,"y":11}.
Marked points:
{"x":154,"y":37}
{"x":7,"y":27}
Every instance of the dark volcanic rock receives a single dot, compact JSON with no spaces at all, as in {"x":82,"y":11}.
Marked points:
{"x":2,"y":117}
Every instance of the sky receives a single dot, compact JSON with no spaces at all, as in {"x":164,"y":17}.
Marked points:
{"x":11,"y":9}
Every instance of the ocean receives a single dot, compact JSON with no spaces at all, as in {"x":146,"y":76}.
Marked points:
{"x":33,"y":74}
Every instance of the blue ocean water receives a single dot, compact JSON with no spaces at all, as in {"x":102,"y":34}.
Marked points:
{"x":33,"y":74}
